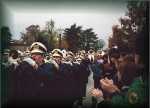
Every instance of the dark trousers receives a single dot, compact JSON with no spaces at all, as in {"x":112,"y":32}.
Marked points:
{"x":96,"y":82}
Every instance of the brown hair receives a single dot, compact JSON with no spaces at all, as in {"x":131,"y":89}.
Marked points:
{"x":129,"y":58}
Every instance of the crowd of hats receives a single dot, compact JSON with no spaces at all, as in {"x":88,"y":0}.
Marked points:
{"x":39,"y":48}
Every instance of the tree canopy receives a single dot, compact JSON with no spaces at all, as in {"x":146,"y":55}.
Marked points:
{"x":79,"y":39}
{"x":5,"y":37}
{"x":74,"y":38}
{"x":132,"y":25}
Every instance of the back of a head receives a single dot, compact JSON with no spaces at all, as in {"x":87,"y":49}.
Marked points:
{"x":129,"y":59}
{"x":14,"y":54}
{"x":114,"y":52}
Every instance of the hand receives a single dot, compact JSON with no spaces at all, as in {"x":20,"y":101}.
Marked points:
{"x":106,"y":81}
{"x":96,"y":93}
{"x":109,"y":81}
{"x":35,"y":66}
{"x":108,"y":86}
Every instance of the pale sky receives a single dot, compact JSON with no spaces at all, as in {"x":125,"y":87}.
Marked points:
{"x":97,"y":16}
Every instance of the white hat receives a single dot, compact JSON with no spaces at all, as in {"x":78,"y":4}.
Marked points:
{"x":38,"y":47}
{"x":78,"y":59}
{"x":57,"y":53}
{"x":37,"y":51}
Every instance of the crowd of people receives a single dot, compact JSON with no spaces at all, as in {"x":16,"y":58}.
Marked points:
{"x":59,"y":78}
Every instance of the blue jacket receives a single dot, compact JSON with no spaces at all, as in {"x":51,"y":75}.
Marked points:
{"x":97,"y":70}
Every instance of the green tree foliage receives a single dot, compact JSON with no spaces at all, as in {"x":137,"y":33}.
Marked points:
{"x":99,"y":44}
{"x":48,"y":36}
{"x":72,"y":36}
{"x":50,"y":26}
{"x":120,"y":39}
{"x":43,"y":38}
{"x":88,"y":39}
{"x":52,"y":34}
{"x":131,"y":26}
{"x":31,"y":35}
{"x":5,"y":37}
{"x":75,"y":38}
{"x":137,"y":13}
{"x":79,"y":39}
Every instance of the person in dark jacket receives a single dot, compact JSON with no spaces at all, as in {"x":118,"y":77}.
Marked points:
{"x":62,"y":80}
{"x":128,"y":72}
{"x":25,"y":86}
{"x":97,"y":70}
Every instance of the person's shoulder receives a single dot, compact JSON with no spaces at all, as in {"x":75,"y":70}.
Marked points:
{"x":76,"y":63}
{"x":24,"y":64}
{"x":133,"y":66}
{"x":28,"y":61}
{"x":66,"y":65}
{"x":24,"y":68}
{"x":47,"y":64}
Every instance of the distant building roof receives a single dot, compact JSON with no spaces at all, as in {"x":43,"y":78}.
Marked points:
{"x":17,"y":42}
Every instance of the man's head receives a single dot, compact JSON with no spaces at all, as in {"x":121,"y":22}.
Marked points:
{"x":91,"y":51}
{"x":38,"y":48}
{"x":14,"y":54}
{"x":114,"y":54}
{"x":70,"y":56}
{"x":57,"y":55}
{"x":78,"y":59}
{"x":37,"y":51}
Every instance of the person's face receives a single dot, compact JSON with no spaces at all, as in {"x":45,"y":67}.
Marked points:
{"x":79,"y":61}
{"x":57,"y":59}
{"x":70,"y":58}
{"x":38,"y":58}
